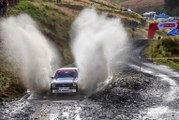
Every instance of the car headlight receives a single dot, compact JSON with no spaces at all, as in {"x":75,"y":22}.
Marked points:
{"x":53,"y":85}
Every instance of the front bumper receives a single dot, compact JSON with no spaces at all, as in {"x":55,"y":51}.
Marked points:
{"x":64,"y":88}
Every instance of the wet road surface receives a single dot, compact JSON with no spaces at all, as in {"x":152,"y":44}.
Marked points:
{"x":145,"y":92}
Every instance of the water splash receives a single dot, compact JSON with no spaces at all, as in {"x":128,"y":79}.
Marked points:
{"x":29,"y":51}
{"x":100,"y":48}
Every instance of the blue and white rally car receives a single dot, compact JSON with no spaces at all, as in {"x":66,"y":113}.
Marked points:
{"x":65,"y":81}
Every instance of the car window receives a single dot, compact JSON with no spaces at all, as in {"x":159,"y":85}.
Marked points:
{"x":66,"y":74}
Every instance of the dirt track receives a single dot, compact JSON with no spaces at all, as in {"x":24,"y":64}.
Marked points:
{"x":148,"y":95}
{"x":116,"y":103}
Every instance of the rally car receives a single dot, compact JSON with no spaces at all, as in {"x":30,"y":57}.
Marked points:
{"x":65,"y":81}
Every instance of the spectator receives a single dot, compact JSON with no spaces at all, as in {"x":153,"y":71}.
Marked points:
{"x":4,"y":4}
{"x":133,"y":25}
{"x":1,"y":7}
{"x":4,"y":7}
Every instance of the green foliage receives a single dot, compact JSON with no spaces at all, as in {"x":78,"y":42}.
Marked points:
{"x":3,"y":82}
{"x":167,"y":48}
{"x":9,"y":81}
{"x":10,"y":87}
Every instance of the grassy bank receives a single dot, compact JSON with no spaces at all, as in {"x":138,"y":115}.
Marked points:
{"x":166,"y":51}
{"x":52,"y":21}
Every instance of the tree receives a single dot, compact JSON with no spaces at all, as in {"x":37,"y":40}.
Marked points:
{"x":172,"y":7}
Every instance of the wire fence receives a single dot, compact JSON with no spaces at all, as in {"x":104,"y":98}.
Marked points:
{"x":5,"y":5}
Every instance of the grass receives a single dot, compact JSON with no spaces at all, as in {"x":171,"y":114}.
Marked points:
{"x":119,"y":1}
{"x":76,"y":7}
{"x":142,"y":6}
{"x":159,"y":8}
{"x":167,"y":49}
{"x":10,"y":85}
{"x":53,"y":22}
{"x":103,"y":5}
{"x":136,"y":34}
{"x":4,"y":82}
{"x":151,"y":21}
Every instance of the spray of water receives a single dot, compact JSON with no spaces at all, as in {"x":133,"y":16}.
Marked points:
{"x":100,"y":46}
{"x":29,"y":51}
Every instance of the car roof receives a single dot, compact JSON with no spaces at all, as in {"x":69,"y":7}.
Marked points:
{"x":67,"y":69}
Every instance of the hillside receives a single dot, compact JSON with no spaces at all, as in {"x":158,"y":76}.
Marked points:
{"x":142,"y":5}
{"x":55,"y":22}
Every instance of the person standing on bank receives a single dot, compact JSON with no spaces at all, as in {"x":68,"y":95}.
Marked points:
{"x":1,"y":7}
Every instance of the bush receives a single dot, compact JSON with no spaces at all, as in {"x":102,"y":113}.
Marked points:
{"x":167,"y":47}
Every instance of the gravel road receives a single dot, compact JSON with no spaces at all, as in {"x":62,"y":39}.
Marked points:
{"x":145,"y":92}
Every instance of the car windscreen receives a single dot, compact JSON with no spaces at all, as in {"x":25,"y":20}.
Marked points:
{"x":66,"y":74}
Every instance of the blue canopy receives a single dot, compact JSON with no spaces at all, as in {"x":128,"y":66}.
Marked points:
{"x":173,"y":32}
{"x":162,"y":15}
